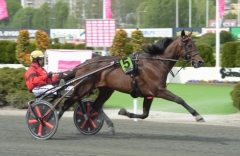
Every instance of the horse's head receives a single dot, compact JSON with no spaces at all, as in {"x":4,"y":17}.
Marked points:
{"x":189,"y":50}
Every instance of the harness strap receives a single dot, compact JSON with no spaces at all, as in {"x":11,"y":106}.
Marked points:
{"x":134,"y":58}
{"x":134,"y":92}
{"x":170,"y":71}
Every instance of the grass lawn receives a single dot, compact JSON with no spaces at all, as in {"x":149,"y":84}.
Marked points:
{"x":204,"y":99}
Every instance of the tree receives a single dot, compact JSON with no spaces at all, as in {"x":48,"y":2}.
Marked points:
{"x":233,"y":1}
{"x":42,"y":41}
{"x":23,"y":18}
{"x":230,"y":16}
{"x":121,"y":8}
{"x":160,"y":14}
{"x":200,"y":17}
{"x":44,"y":13}
{"x":137,"y":40}
{"x":141,"y":14}
{"x":22,"y":49}
{"x":120,"y":39}
{"x":59,"y":14}
{"x":183,"y":10}
{"x":72,"y":22}
{"x":12,"y":7}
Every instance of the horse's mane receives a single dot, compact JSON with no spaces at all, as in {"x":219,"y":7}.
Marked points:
{"x":158,"y":47}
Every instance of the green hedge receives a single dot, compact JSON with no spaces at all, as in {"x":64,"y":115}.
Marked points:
{"x":13,"y":90}
{"x":235,"y":95}
{"x":128,"y":48}
{"x":210,"y":38}
{"x":7,"y":52}
{"x":229,"y":53}
{"x":206,"y":52}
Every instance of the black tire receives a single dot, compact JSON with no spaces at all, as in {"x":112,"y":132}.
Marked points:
{"x":89,"y":126}
{"x":48,"y":127}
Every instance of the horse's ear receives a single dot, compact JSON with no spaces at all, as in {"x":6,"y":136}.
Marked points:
{"x":190,"y":34}
{"x":183,"y":34}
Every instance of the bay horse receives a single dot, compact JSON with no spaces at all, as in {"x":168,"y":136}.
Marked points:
{"x":149,"y":81}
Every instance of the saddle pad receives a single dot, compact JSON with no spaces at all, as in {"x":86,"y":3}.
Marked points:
{"x":127,"y":65}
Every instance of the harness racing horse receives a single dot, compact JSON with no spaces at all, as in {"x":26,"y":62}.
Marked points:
{"x":153,"y":66}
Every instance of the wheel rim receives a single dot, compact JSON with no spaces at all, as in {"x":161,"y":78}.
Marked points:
{"x":48,"y":126}
{"x":89,"y":125}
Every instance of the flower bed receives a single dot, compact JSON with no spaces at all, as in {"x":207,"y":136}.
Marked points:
{"x":212,"y":82}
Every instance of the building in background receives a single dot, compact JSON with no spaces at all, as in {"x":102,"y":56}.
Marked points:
{"x":39,"y":3}
{"x":36,"y":3}
{"x":226,"y":23}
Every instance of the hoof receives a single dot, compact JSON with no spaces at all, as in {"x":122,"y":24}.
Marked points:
{"x":111,"y":130}
{"x":199,"y":118}
{"x":122,"y":111}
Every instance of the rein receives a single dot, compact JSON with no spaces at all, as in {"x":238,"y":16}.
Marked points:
{"x":170,"y":71}
{"x":150,"y":58}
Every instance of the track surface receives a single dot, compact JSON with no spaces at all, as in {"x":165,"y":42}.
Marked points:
{"x":143,"y":138}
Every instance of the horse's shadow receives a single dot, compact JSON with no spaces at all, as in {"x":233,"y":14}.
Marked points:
{"x":145,"y":136}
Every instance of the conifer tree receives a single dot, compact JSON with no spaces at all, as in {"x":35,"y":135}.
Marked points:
{"x":137,"y":40}
{"x":22,"y":49}
{"x":120,"y":39}
{"x":42,"y":41}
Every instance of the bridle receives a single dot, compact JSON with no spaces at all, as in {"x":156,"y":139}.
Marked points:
{"x":188,"y":57}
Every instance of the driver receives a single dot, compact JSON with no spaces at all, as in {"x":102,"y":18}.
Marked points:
{"x":36,"y":77}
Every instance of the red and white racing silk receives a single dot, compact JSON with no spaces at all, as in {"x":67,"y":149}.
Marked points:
{"x":37,"y":76}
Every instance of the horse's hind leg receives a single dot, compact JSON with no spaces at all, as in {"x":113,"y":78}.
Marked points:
{"x":146,"y":107}
{"x":67,"y":104}
{"x":104,"y":94}
{"x":166,"y":94}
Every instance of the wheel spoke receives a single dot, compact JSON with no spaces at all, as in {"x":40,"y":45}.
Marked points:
{"x":88,"y":108}
{"x":45,"y":122}
{"x":48,"y":124}
{"x":86,"y":119}
{"x":79,"y":113}
{"x":40,"y":130}
{"x":92,"y":123}
{"x":94,"y":114}
{"x":34,"y":121}
{"x":84,"y":124}
{"x":38,"y":112}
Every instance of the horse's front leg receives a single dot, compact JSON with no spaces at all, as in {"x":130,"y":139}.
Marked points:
{"x":166,"y":94}
{"x":146,"y":107}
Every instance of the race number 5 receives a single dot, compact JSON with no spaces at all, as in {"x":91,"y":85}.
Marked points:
{"x":126,"y":64}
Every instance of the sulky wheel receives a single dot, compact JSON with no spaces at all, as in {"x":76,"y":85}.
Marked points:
{"x":92,"y":123}
{"x":42,"y":128}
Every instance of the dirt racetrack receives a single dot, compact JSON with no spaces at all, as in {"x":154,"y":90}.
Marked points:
{"x":177,"y":136}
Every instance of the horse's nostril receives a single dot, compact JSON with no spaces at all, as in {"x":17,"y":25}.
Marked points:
{"x":200,"y":63}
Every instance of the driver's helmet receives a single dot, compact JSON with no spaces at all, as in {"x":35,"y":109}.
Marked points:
{"x":35,"y":55}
